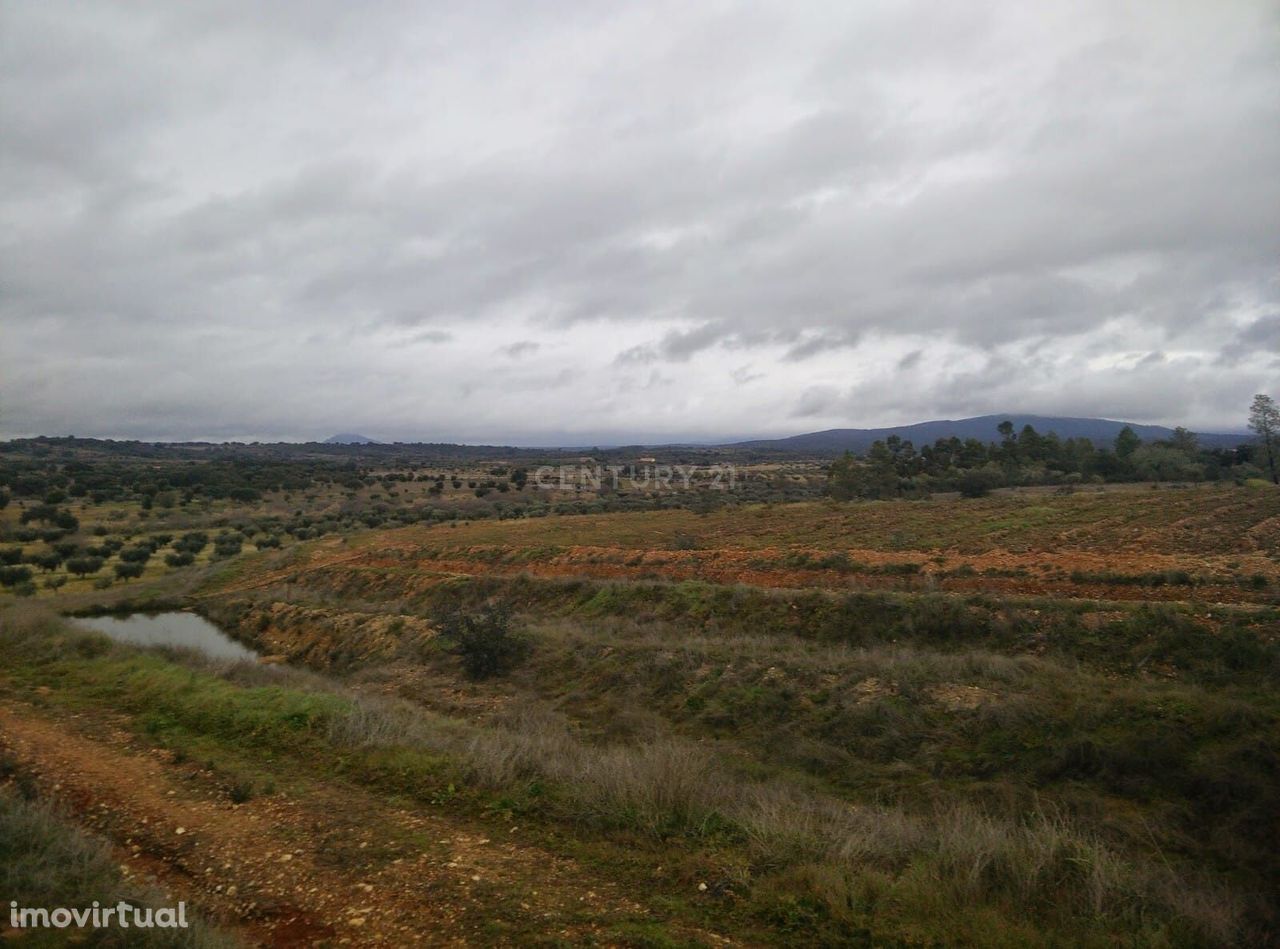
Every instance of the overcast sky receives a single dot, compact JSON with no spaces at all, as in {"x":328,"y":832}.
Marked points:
{"x":582,"y":222}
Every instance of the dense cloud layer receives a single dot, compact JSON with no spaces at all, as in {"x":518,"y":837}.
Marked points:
{"x":600,"y":222}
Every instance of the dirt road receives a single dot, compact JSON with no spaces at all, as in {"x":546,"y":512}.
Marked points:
{"x":319,"y":864}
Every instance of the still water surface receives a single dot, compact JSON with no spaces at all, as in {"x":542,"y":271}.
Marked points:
{"x":169,"y":629}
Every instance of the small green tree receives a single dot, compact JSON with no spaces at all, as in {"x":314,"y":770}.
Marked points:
{"x":1184,"y":441}
{"x":842,"y":478}
{"x":879,"y":476}
{"x":1127,"y":442}
{"x":12,"y":576}
{"x":483,"y":639}
{"x":47,"y":562}
{"x":138,"y":554}
{"x":83,"y":566}
{"x":129,"y":570}
{"x":1264,"y":419}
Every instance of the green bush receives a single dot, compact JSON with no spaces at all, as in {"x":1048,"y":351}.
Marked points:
{"x":483,"y":639}
{"x":83,"y":566}
{"x":977,"y":483}
{"x":12,"y":576}
{"x":128,"y":571}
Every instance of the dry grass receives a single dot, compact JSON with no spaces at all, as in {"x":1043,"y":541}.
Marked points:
{"x":944,"y":862}
{"x":928,"y":868}
{"x":47,"y":861}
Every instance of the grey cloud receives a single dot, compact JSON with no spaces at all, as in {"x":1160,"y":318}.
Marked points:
{"x":1260,"y":336}
{"x":222,"y":180}
{"x":524,"y":347}
{"x":636,"y":355}
{"x":819,"y":343}
{"x":678,"y":346}
{"x":816,"y":400}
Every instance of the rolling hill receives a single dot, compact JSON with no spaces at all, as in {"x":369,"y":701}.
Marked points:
{"x":1099,"y":431}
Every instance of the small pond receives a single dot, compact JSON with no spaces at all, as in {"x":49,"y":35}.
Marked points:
{"x":169,"y":629}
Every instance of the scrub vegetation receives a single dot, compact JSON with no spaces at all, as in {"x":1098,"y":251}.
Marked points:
{"x":1026,"y":719}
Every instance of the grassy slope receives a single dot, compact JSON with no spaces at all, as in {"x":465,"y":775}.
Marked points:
{"x":781,"y":856}
{"x":893,"y":766}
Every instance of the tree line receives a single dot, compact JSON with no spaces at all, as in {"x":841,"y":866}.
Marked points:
{"x":894,"y":467}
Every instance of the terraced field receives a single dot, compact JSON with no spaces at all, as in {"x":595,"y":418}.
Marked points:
{"x":1211,"y":545}
{"x":1031,"y":719}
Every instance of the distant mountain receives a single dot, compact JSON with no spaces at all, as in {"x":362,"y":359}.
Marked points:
{"x":346,"y":438}
{"x":1100,"y":431}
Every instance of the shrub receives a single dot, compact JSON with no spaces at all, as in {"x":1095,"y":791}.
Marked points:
{"x":903,"y":569}
{"x":12,"y":576}
{"x":192,"y":542}
{"x":46,"y":562}
{"x":129,"y":570}
{"x":682,"y":540}
{"x":483,"y":639}
{"x":839,"y":561}
{"x":241,"y":790}
{"x":83,"y":566}
{"x":977,"y":482}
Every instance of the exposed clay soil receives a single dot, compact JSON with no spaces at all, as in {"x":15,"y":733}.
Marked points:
{"x":320,"y":864}
{"x":403,"y":568}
